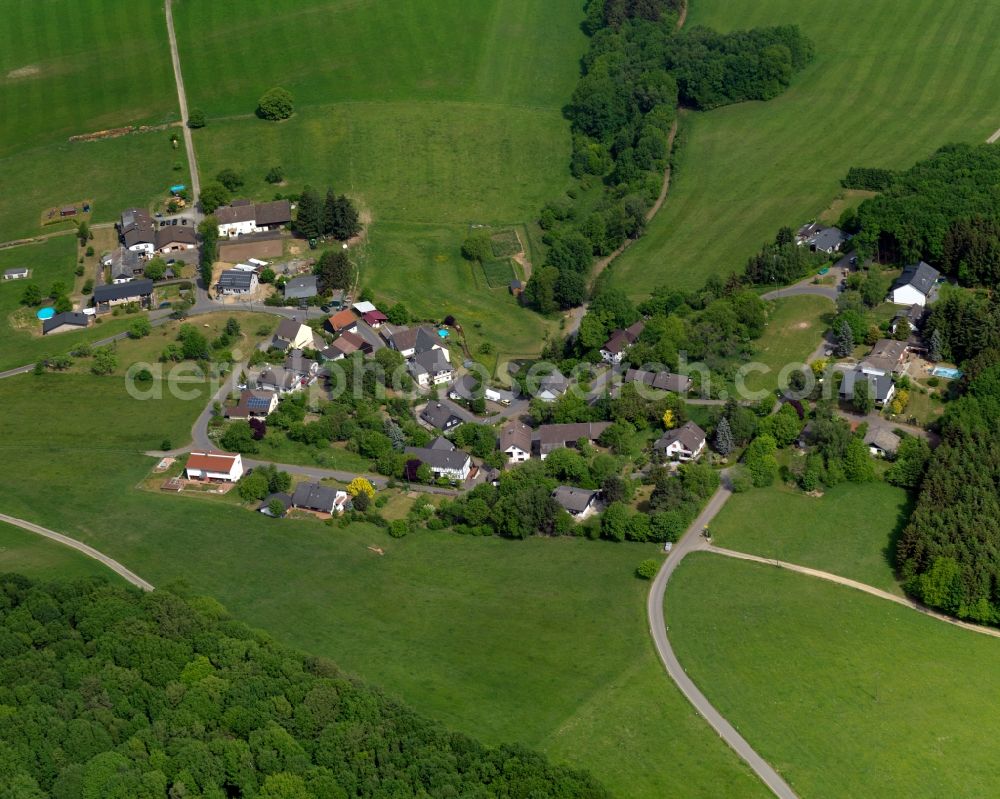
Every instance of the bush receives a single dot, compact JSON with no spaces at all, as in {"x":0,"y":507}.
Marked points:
{"x":230,"y":178}
{"x":275,"y":174}
{"x":196,"y":119}
{"x":399,"y":528}
{"x":647,"y":569}
{"x":275,"y":104}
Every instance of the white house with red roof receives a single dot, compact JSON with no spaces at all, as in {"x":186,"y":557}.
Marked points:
{"x":212,"y":465}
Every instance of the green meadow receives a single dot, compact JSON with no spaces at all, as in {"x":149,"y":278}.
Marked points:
{"x":42,"y":559}
{"x":434,"y":117}
{"x":74,"y":67}
{"x":542,"y":642}
{"x":795,"y":327}
{"x":844,"y":693}
{"x":890,"y":83}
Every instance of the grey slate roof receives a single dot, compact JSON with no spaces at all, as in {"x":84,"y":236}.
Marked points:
{"x":663,"y":381}
{"x":881,"y":385}
{"x":280,"y":377}
{"x":439,"y":416}
{"x":313,"y":496}
{"x":67,"y":318}
{"x":574,"y":500}
{"x":21,"y":270}
{"x":690,"y":436}
{"x":453,"y":459}
{"x":828,"y":239}
{"x":301,"y":287}
{"x":121,"y":291}
{"x":882,"y":439}
{"x":430,"y":362}
{"x":921,"y":276}
{"x":288,"y":329}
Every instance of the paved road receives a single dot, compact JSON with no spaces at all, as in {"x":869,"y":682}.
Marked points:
{"x":182,"y":101}
{"x":89,"y":551}
{"x":868,"y":589}
{"x":692,"y":540}
{"x":801,"y":289}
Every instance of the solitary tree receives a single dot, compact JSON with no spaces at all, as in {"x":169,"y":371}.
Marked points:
{"x":196,"y":119}
{"x":32,"y":295}
{"x":935,"y":351}
{"x":724,"y":443}
{"x":275,"y":174}
{"x":213,"y":195}
{"x":275,"y":104}
{"x":230,"y":178}
{"x":845,"y":340}
{"x":647,"y":569}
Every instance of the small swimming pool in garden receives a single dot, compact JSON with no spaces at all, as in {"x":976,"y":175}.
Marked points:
{"x":46,"y":313}
{"x":947,"y":371}
{"x":443,"y":333}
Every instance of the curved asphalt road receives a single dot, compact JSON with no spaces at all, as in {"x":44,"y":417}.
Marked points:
{"x":691,"y":541}
{"x":89,"y":551}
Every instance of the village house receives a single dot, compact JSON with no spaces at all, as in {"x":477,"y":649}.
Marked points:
{"x":235,"y":282}
{"x":241,"y":217}
{"x":110,"y":295}
{"x":661,"y":381}
{"x":253,"y":404}
{"x":557,"y":436}
{"x":301,"y":287}
{"x":684,"y":443}
{"x":18,"y":273}
{"x":515,"y":441}
{"x":443,"y":459}
{"x":916,"y":286}
{"x":345,"y":345}
{"x":175,"y":238}
{"x":552,"y":386}
{"x":292,"y":335}
{"x":123,"y":265}
{"x":280,"y":380}
{"x":886,"y":357}
{"x":440,"y":417}
{"x":409,"y":341}
{"x":880,"y":385}
{"x":65,"y":322}
{"x":577,"y":502}
{"x":431,"y":368}
{"x":284,"y":500}
{"x":342,"y":321}
{"x":913,"y":316}
{"x":820,"y":238}
{"x":137,"y":231}
{"x":319,"y":499}
{"x":214,"y":466}
{"x":374,"y":319}
{"x":619,"y":342}
{"x":298,"y":363}
{"x":881,"y":443}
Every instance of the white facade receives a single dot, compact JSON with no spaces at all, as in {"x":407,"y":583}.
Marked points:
{"x":908,"y":295}
{"x":453,"y":474}
{"x":144,"y":247}
{"x":516,"y":455}
{"x":214,"y":466}
{"x":239,"y":228}
{"x":676,"y":451}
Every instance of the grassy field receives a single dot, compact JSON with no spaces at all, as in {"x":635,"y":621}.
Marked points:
{"x":104,"y":65}
{"x":881,"y":92}
{"x":542,"y":641}
{"x":795,"y":328}
{"x":845,"y":694}
{"x":41,"y":559}
{"x":434,"y":118}
{"x":50,"y":261}
{"x":850,"y":530}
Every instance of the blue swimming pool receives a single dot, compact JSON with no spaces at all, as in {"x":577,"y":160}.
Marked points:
{"x":45,"y":313}
{"x":947,"y":371}
{"x":443,"y":333}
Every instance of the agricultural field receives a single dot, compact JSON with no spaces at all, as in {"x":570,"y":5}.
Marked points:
{"x":880,"y":92}
{"x":844,"y":693}
{"x":434,"y":118}
{"x":795,"y":327}
{"x":105,"y":65}
{"x":851,"y":530}
{"x":50,"y":261}
{"x":42,"y":559}
{"x":476,"y":632}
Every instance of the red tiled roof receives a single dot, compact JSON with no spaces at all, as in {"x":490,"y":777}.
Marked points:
{"x":211,"y":461}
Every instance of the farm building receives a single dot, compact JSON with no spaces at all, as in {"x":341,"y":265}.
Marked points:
{"x":16,"y":274}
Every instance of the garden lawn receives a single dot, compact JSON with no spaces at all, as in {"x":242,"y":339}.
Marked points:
{"x":21,"y":333}
{"x":851,"y":530}
{"x":795,"y":328}
{"x":71,"y":67}
{"x":434,"y":117}
{"x":844,"y":693}
{"x":880,"y":93}
{"x":542,"y":641}
{"x":42,"y":559}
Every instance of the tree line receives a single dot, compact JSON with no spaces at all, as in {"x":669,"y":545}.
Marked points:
{"x":112,"y":693}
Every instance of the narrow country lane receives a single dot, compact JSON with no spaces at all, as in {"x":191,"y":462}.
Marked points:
{"x":182,"y":101}
{"x":79,"y":546}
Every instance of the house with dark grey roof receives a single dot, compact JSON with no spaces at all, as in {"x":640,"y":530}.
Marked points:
{"x":828,"y":240}
{"x":279,"y":380}
{"x":285,"y":501}
{"x":913,"y":316}
{"x":298,"y":363}
{"x":65,"y":322}
{"x":301,"y":287}
{"x":440,"y":417}
{"x":137,"y":231}
{"x":236,"y":282}
{"x":409,"y":341}
{"x":292,"y":334}
{"x":552,"y":386}
{"x":881,"y":442}
{"x":319,"y":498}
{"x":431,"y":368}
{"x":661,"y":381}
{"x":253,"y":404}
{"x":110,"y":295}
{"x":880,"y":385}
{"x":557,"y":436}
{"x":916,"y":286}
{"x":443,"y":459}
{"x":17,"y":273}
{"x":578,"y":502}
{"x":684,"y":443}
